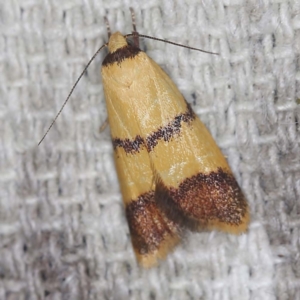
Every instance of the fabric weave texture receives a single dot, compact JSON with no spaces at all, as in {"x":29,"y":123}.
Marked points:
{"x":63,"y":232}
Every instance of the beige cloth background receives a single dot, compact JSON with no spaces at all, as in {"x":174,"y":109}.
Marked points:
{"x":63,"y":233}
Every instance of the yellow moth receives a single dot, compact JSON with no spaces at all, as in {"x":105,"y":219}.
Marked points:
{"x":171,"y":172}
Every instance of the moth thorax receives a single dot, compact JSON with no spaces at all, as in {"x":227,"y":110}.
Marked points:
{"x":116,"y":41}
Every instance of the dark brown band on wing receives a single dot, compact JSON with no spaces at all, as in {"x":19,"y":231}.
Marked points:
{"x":165,"y":133}
{"x":203,"y":198}
{"x":168,"y":131}
{"x":128,"y":145}
{"x":121,"y":54}
{"x":148,"y":226}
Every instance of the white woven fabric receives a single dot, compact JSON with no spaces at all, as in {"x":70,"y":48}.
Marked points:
{"x":63,"y":232}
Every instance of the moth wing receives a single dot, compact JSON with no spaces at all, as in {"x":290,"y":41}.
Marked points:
{"x":194,"y":183}
{"x":153,"y":235}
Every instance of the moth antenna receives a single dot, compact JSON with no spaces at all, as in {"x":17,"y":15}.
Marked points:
{"x":107,"y":27}
{"x":133,"y":19}
{"x":169,"y":42}
{"x":71,"y":92}
{"x":135,"y":34}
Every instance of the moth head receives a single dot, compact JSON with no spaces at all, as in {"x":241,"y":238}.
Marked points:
{"x":116,"y":41}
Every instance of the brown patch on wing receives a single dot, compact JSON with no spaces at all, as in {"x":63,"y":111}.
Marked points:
{"x":129,"y":146}
{"x":128,"y":51}
{"x":164,"y":132}
{"x":205,"y":201}
{"x":171,"y":129}
{"x":152,"y":234}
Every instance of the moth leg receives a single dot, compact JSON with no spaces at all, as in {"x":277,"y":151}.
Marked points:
{"x":104,"y":125}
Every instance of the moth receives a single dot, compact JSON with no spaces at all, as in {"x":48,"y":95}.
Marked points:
{"x":172,"y":174}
